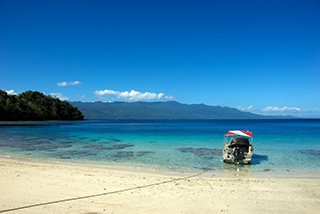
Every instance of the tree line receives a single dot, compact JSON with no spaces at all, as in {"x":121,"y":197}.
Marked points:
{"x":33,"y":105}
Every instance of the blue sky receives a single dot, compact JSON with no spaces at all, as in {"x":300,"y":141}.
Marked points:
{"x":258,"y":56}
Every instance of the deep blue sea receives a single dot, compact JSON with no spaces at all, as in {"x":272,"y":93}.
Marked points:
{"x":280,"y":146}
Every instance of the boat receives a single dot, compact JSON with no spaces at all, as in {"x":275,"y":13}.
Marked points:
{"x":238,"y":147}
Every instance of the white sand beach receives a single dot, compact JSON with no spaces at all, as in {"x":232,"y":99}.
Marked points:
{"x":37,"y":187}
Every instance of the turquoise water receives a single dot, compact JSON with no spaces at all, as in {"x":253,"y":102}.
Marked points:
{"x":288,"y":146}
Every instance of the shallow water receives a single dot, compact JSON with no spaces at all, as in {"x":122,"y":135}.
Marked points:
{"x":286,"y":146}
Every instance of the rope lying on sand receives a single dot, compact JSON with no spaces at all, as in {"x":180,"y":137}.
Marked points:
{"x":102,"y":194}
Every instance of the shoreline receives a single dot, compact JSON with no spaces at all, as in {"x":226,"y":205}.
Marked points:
{"x":66,"y":188}
{"x":111,"y":167}
{"x":231,"y":171}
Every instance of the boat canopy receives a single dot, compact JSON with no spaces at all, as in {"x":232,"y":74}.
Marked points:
{"x":239,"y":133}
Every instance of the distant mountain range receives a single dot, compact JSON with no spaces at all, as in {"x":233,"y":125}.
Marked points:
{"x":161,"y":111}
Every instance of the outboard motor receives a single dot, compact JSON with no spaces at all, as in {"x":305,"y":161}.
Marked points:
{"x":238,"y":155}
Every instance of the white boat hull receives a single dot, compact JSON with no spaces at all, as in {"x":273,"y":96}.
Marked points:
{"x":228,"y":157}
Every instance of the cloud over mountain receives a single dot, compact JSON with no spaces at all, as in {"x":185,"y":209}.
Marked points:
{"x":278,"y":109}
{"x":132,"y":95}
{"x":59,"y":96}
{"x":275,"y":110}
{"x":241,"y":108}
{"x":11,"y":92}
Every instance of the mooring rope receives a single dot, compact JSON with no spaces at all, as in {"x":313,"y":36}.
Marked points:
{"x":102,"y":194}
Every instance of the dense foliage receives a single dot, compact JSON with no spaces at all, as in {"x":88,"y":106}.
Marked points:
{"x":31,"y":105}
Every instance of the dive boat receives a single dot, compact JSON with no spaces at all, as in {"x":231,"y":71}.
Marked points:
{"x":238,"y":147}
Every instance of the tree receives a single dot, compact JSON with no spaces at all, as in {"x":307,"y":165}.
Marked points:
{"x":33,"y":105}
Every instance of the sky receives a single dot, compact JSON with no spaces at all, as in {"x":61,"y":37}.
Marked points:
{"x":258,"y":56}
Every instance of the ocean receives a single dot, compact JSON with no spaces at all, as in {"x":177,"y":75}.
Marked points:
{"x":283,"y":147}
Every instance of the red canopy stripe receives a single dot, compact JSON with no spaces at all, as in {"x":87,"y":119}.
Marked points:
{"x":239,"y":132}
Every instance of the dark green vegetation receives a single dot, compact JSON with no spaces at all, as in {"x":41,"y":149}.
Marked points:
{"x":161,"y":111}
{"x":31,"y":105}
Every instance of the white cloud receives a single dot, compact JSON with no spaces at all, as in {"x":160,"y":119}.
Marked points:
{"x":11,"y":92}
{"x":133,"y":95}
{"x":62,"y":84}
{"x":282,"y":110}
{"x":293,"y":111}
{"x":241,"y":108}
{"x":271,"y":109}
{"x":75,"y":82}
{"x":274,"y":110}
{"x":59,"y":96}
{"x":69,"y":83}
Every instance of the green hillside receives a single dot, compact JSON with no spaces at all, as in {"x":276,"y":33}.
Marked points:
{"x":32,"y":106}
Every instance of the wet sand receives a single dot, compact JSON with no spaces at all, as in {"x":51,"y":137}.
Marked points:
{"x":37,"y":187}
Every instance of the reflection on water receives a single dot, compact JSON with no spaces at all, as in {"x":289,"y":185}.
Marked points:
{"x":233,"y":170}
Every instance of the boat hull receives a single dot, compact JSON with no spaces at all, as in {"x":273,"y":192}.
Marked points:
{"x":228,"y":157}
